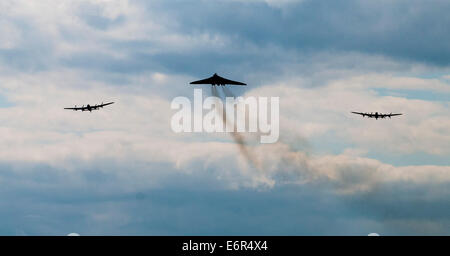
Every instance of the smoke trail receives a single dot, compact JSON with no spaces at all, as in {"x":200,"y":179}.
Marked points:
{"x":252,"y":136}
{"x":227,"y":92}
{"x":237,"y":137}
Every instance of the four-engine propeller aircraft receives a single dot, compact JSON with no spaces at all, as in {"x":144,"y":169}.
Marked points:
{"x":89,"y":107}
{"x":376,"y":115}
{"x":217,"y":80}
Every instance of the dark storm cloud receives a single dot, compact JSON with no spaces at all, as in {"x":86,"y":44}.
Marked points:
{"x":52,"y":201}
{"x":413,"y":30}
{"x":259,"y":37}
{"x":404,"y":208}
{"x":264,"y":39}
{"x":404,"y":201}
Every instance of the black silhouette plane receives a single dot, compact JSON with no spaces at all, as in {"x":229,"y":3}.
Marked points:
{"x":217,"y":80}
{"x":89,"y":107}
{"x":376,"y":115}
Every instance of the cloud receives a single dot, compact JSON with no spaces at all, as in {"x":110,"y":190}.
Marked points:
{"x":137,"y":36}
{"x":386,"y":28}
{"x":315,"y":112}
{"x":136,"y":130}
{"x":274,"y":3}
{"x":121,"y":170}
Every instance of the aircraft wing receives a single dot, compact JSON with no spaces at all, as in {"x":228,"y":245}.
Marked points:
{"x":227,"y":81}
{"x":204,"y":81}
{"x":393,"y":115}
{"x":76,"y":108}
{"x":102,"y":105}
{"x":359,"y":113}
{"x":217,"y":80}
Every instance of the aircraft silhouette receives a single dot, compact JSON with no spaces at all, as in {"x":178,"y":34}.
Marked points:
{"x":217,"y":80}
{"x":376,"y":115}
{"x":89,"y":107}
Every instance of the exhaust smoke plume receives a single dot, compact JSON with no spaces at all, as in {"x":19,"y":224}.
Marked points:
{"x":237,"y":137}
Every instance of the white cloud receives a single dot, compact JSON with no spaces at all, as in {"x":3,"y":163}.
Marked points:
{"x":392,"y":82}
{"x":129,"y":146}
{"x":313,"y":112}
{"x":12,"y":35}
{"x":136,"y":130}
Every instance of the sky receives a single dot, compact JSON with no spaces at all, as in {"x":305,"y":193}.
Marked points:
{"x":123,"y":171}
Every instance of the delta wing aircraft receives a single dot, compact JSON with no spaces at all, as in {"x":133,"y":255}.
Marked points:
{"x":217,"y":80}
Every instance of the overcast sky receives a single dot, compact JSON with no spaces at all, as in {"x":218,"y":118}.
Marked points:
{"x":123,"y":171}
